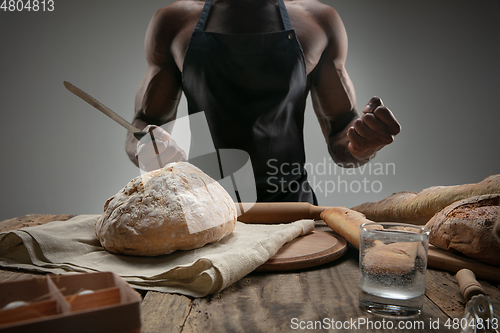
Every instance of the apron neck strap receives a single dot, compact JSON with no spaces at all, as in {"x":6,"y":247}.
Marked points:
{"x":284,"y":15}
{"x":202,"y":21}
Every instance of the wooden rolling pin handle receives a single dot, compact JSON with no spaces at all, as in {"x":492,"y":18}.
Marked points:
{"x":468,"y":284}
{"x":279,"y":212}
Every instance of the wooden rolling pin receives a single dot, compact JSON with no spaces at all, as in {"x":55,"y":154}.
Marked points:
{"x":479,"y":307}
{"x":279,"y":212}
{"x":469,"y":286}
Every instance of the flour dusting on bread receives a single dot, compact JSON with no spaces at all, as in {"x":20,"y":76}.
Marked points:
{"x":174,"y":208}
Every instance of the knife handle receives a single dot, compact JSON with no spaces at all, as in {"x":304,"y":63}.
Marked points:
{"x":279,"y":212}
{"x":139,"y":135}
{"x":469,"y":286}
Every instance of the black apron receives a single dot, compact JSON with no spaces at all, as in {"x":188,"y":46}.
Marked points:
{"x":253,"y":89}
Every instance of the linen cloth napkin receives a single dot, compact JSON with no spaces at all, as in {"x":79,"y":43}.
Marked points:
{"x":62,"y":247}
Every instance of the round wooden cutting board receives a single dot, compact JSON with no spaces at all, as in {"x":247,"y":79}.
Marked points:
{"x":313,"y":249}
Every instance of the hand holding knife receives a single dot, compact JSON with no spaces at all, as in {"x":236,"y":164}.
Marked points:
{"x":138,"y":134}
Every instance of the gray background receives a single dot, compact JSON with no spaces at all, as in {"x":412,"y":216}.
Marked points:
{"x":434,"y":63}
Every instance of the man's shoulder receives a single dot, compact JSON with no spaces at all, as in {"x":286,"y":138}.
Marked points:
{"x":178,"y":12}
{"x":180,"y":6}
{"x":321,"y":19}
{"x":322,"y":14}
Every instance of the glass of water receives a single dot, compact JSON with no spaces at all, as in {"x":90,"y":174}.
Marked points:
{"x":393,"y":264}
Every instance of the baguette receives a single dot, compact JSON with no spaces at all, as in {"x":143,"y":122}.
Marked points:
{"x":345,"y":222}
{"x":390,"y":259}
{"x":395,"y":258}
{"x":419,"y":208}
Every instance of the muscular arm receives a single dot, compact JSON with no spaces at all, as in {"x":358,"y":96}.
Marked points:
{"x":159,"y":92}
{"x":352,"y":139}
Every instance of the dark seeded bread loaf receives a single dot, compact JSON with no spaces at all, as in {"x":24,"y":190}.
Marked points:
{"x":466,"y":226}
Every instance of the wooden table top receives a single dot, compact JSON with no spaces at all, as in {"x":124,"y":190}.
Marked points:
{"x":320,"y":299}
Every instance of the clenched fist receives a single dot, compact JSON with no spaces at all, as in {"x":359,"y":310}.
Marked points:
{"x":375,"y":129}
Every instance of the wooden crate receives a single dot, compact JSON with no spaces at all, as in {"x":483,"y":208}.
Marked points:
{"x":63,"y":303}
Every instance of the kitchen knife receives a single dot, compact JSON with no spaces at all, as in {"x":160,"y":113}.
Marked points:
{"x":138,"y":134}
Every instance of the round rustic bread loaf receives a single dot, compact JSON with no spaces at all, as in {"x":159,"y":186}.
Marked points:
{"x":466,"y":226}
{"x":174,"y":208}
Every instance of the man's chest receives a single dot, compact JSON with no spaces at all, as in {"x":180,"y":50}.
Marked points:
{"x":311,"y":37}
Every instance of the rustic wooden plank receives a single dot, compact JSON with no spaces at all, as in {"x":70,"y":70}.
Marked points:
{"x":269,"y":302}
{"x":248,"y":305}
{"x":164,"y":312}
{"x":322,"y":297}
{"x":443,"y":290}
{"x":31,"y":220}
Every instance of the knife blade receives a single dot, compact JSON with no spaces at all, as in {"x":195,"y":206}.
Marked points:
{"x":138,"y":134}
